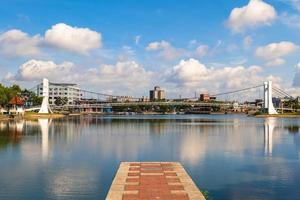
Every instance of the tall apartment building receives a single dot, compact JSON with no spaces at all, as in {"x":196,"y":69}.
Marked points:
{"x":157,"y":94}
{"x":71,"y":91}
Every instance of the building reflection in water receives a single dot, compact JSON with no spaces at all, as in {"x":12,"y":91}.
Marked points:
{"x":44,"y":124}
{"x":269,"y":126}
{"x":10,"y":133}
{"x":19,"y":126}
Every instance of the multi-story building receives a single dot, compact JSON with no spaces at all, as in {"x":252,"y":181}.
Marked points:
{"x":157,"y":94}
{"x":144,"y":99}
{"x":69,"y":90}
{"x":204,"y":97}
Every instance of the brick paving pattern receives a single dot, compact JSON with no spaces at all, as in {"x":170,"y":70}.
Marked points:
{"x":153,"y":181}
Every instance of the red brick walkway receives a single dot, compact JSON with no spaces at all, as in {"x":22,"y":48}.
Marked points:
{"x":153,"y":180}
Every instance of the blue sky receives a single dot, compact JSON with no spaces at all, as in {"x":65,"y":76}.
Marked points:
{"x":184,"y":46}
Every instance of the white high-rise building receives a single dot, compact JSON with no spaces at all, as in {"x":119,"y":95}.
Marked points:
{"x":69,"y":90}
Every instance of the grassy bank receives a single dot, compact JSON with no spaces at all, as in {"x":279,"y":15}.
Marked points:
{"x":294,"y":115}
{"x":32,"y":115}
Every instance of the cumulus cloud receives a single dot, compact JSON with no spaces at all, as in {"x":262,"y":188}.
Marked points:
{"x":35,"y":70}
{"x":256,"y":13}
{"x":154,"y":46}
{"x":167,"y":51}
{"x":15,"y":43}
{"x":298,"y":67}
{"x":123,"y":77}
{"x":130,"y":78}
{"x":74,"y":39}
{"x":274,"y":52}
{"x":191,"y":75}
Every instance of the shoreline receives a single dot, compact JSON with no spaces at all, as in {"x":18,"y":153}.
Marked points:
{"x":29,"y":116}
{"x":278,"y":116}
{"x":33,"y":116}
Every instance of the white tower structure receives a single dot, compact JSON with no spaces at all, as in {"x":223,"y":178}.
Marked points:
{"x":45,"y":109}
{"x":268,"y":104}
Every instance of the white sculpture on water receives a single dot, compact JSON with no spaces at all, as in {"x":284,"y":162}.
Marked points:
{"x":45,"y":108}
{"x":268,"y":103}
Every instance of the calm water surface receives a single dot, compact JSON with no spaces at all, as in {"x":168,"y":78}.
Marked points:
{"x":231,"y":156}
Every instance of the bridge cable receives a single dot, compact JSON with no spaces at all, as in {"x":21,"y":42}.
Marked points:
{"x":240,"y":90}
{"x":283,"y":92}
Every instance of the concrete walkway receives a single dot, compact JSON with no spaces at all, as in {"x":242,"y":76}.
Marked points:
{"x":153,"y":181}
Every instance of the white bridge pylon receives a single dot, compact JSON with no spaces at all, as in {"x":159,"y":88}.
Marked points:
{"x":45,"y":108}
{"x":268,"y":103}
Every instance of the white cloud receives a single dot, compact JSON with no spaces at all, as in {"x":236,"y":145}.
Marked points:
{"x":130,"y":78}
{"x":276,"y":62}
{"x":191,"y":75}
{"x":123,"y":78}
{"x":15,"y":43}
{"x":126,"y":77}
{"x":256,"y":13}
{"x":202,"y":50}
{"x":35,"y":70}
{"x":298,"y":67}
{"x":154,"y":46}
{"x":167,"y":51}
{"x":274,"y":52}
{"x":74,"y":39}
{"x":188,"y":72}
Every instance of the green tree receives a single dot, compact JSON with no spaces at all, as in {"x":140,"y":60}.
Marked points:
{"x":292,"y":103}
{"x":3,"y":96}
{"x":31,"y":98}
{"x":7,"y":93}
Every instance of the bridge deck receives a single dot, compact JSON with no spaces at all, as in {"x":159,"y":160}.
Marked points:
{"x":153,"y":180}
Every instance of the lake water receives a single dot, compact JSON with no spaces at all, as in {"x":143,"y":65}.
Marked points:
{"x":231,"y":156}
